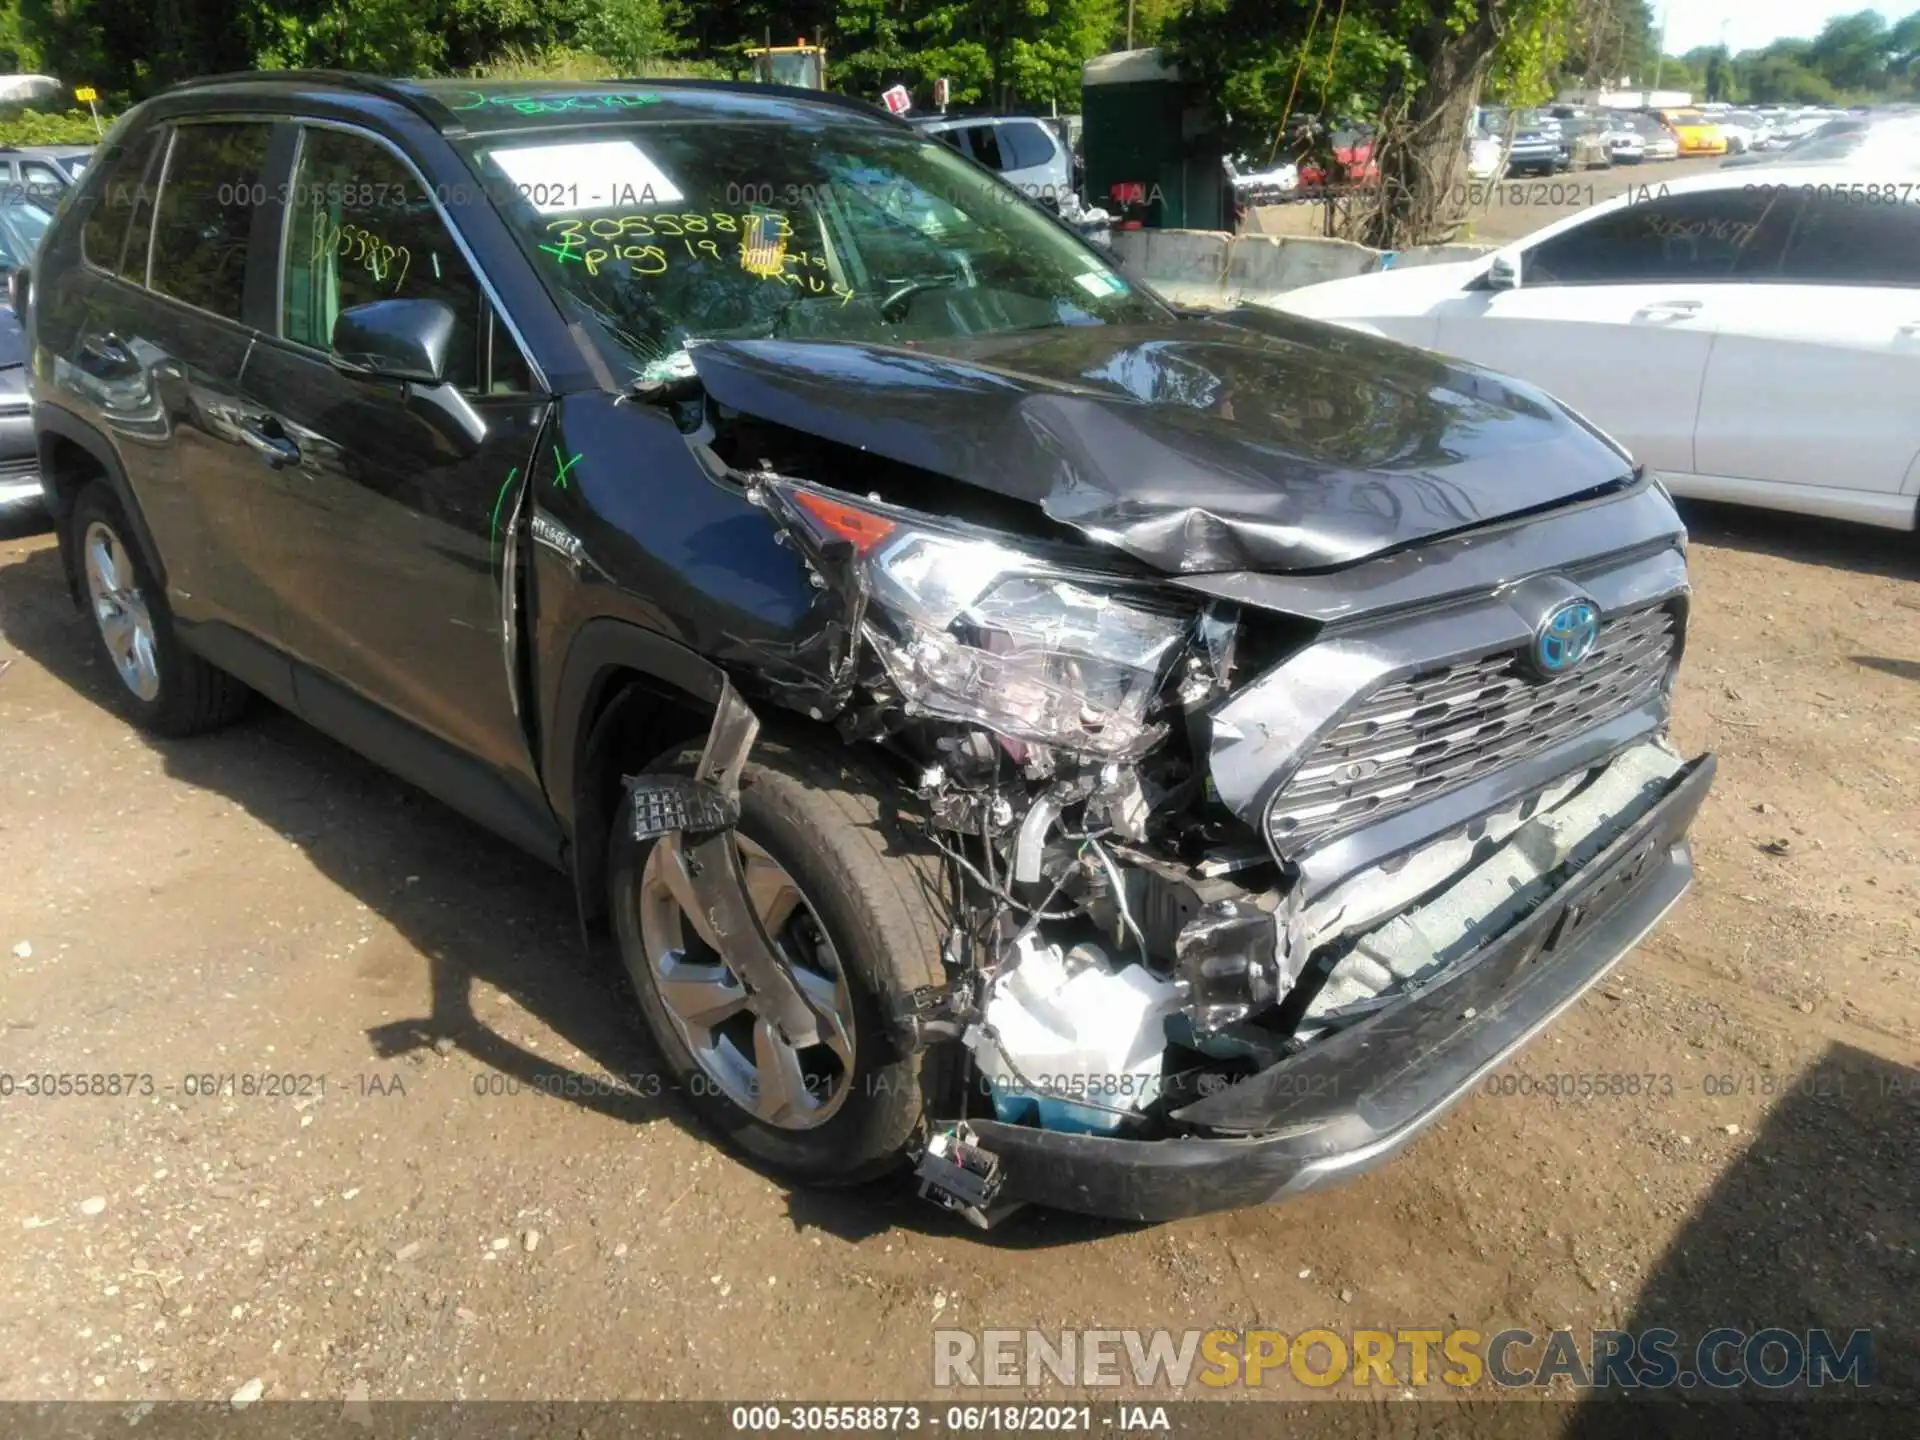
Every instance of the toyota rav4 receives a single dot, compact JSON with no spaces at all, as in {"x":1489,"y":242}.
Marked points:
{"x":1082,"y":752}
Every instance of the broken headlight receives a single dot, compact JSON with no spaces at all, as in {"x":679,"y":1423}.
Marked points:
{"x":971,"y":630}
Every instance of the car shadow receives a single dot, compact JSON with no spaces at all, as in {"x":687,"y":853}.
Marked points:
{"x":480,"y":911}
{"x":1811,"y":539}
{"x":1900,"y":669}
{"x":1813,"y":1228}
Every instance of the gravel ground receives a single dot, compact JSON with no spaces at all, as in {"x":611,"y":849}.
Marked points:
{"x":435,"y":1224}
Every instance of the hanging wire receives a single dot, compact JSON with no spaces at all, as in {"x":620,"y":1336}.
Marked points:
{"x":1280,"y":135}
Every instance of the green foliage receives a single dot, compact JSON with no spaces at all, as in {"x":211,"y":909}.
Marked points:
{"x":1528,"y":58}
{"x":560,"y":63}
{"x":35,"y":127}
{"x":632,"y":33}
{"x":1261,"y":64}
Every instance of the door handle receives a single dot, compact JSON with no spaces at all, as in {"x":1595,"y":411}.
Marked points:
{"x":1667,"y":310}
{"x":277,"y":450}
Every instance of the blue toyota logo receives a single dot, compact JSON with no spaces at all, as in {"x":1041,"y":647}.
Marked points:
{"x":1565,"y":637}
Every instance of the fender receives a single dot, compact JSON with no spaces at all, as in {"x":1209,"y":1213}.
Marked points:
{"x":580,"y":732}
{"x":601,"y":648}
{"x":55,"y":422}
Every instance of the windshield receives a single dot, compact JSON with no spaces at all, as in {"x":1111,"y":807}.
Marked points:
{"x":654,"y":235}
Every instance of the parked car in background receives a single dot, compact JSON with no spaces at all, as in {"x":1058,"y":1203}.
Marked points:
{"x":1656,"y":141}
{"x":1353,"y":162}
{"x":1486,"y":156}
{"x":41,"y":172}
{"x":1584,"y":134}
{"x":1693,"y":132}
{"x":70,"y":160}
{"x":1536,"y":148}
{"x":1624,"y":143}
{"x":22,"y":224}
{"x":1743,"y":130}
{"x":1026,"y":152}
{"x":1752,"y":340}
{"x":1255,"y":182}
{"x":1891,"y":143}
{"x":1085,"y":753}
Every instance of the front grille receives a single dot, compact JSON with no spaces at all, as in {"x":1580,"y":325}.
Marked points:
{"x":1416,"y":738}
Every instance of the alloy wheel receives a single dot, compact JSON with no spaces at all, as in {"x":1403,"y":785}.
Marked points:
{"x":740,"y":1050}
{"x":121,"y":611}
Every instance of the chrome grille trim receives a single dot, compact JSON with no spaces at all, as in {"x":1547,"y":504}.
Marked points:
{"x":1412,"y":739}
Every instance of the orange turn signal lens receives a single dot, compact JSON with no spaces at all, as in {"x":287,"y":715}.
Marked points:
{"x":858,"y":528}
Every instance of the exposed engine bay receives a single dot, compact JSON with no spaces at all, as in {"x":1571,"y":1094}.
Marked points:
{"x":1189,"y":837}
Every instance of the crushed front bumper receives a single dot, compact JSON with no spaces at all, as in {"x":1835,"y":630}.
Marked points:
{"x":1346,"y":1103}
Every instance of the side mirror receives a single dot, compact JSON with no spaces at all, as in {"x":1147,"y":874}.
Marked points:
{"x":408,"y":340}
{"x":1504,"y":273}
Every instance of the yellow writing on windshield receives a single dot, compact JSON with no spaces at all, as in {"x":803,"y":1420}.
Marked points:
{"x":361,"y":246}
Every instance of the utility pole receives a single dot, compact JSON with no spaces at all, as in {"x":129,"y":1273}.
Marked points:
{"x":1129,"y":24}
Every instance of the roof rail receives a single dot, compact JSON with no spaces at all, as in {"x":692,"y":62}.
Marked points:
{"x":366,"y":84}
{"x":869,"y":108}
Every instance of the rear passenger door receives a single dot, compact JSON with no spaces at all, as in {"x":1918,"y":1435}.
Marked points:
{"x":383,"y":526}
{"x":1815,"y":375}
{"x":160,"y":353}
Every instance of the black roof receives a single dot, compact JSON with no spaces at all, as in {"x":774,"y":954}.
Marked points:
{"x":462,"y":106}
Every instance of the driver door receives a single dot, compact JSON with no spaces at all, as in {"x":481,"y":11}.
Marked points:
{"x":381,"y":517}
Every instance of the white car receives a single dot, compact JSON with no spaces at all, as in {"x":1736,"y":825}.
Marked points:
{"x":1658,"y":143}
{"x":1259,"y":184}
{"x":1750,"y":341}
{"x":1028,"y":153}
{"x":1486,"y":157}
{"x":1625,"y":145}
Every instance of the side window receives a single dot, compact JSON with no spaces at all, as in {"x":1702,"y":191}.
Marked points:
{"x":984,"y":142}
{"x":1698,"y":237}
{"x":1841,"y":240}
{"x":507,"y":372}
{"x":205,"y":217}
{"x":362,"y":228}
{"x":124,"y":194}
{"x":1025,"y":146}
{"x":41,"y":181}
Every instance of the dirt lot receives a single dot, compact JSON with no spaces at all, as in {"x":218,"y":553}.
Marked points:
{"x":263,"y":901}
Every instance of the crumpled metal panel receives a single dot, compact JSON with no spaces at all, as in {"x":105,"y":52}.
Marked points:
{"x":1243,"y":443}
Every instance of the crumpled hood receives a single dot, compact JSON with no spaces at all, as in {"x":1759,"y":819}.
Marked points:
{"x":1249,"y":441}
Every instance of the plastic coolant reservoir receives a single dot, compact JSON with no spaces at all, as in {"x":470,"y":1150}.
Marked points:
{"x":1075,"y":1025}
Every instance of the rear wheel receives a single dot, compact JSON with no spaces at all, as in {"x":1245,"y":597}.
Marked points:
{"x":855,"y":906}
{"x":161,"y":685}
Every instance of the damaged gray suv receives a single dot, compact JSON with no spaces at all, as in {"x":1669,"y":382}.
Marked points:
{"x":1080,"y":752}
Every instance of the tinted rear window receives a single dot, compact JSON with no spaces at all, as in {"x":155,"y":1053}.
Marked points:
{"x":205,"y":216}
{"x":120,"y":193}
{"x":1842,"y":241}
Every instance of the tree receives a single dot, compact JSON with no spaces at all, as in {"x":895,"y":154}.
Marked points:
{"x":1420,"y":66}
{"x":1851,"y":52}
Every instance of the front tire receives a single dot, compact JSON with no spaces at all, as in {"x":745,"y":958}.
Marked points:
{"x":160,"y":685}
{"x":857,"y":904}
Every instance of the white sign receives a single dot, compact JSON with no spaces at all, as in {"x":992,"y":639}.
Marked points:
{"x":596,"y":175}
{"x":941,"y":90}
{"x":898,"y":100}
